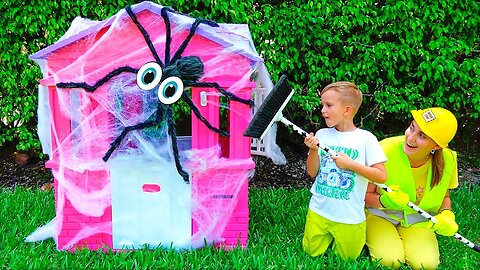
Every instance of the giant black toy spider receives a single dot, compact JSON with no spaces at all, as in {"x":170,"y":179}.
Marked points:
{"x":169,"y":79}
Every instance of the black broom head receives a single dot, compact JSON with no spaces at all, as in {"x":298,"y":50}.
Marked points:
{"x":270,"y":111}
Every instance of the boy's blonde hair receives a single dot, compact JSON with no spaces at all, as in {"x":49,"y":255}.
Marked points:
{"x":349,"y":93}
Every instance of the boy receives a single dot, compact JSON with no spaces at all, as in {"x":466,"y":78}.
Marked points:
{"x":336,"y":209}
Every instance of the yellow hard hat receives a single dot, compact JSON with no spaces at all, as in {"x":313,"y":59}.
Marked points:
{"x":438,"y":123}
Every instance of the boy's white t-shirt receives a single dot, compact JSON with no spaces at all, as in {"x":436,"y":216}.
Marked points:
{"x":337,"y":194}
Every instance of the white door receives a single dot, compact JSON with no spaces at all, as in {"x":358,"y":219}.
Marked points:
{"x":151,"y":205}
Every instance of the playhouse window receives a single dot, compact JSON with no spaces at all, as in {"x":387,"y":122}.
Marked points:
{"x":224,"y":119}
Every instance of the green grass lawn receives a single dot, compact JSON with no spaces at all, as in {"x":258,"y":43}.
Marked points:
{"x":276,"y":228}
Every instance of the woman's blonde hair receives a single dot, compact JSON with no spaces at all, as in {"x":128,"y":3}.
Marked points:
{"x":350,"y":94}
{"x":438,"y":165}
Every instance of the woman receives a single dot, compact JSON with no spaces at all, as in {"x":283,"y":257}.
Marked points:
{"x":420,"y":169}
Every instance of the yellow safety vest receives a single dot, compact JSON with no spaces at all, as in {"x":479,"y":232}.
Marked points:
{"x":399,"y":173}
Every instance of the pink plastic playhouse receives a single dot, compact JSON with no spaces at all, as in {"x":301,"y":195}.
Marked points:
{"x":108,"y":119}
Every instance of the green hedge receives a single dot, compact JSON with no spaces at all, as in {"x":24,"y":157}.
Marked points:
{"x":402,"y":54}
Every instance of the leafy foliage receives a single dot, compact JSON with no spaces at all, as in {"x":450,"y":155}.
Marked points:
{"x":402,"y":54}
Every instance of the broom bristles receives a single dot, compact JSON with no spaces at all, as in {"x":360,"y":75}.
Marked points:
{"x":270,"y":110}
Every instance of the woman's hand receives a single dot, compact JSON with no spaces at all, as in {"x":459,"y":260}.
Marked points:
{"x":446,"y":224}
{"x":395,"y":199}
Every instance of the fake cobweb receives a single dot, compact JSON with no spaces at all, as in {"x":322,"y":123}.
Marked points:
{"x":137,"y":197}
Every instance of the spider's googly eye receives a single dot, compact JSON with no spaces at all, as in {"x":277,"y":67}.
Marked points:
{"x":170,"y":90}
{"x":149,"y":76}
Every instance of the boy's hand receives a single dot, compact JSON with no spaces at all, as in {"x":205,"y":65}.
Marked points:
{"x":311,"y":141}
{"x":343,"y":161}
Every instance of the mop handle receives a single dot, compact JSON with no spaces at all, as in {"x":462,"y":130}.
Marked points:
{"x":383,"y":186}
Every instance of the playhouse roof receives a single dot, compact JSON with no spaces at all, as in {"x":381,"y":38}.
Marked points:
{"x":227,"y":35}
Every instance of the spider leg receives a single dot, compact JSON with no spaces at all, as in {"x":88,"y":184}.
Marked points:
{"x":146,"y":36}
{"x":119,"y":139}
{"x":146,"y":124}
{"x":92,"y":88}
{"x":200,"y":117}
{"x":168,"y":29}
{"x":172,"y":132}
{"x":193,"y":28}
{"x":226,"y":93}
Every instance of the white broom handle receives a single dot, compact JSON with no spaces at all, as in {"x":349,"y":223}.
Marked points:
{"x":302,"y":132}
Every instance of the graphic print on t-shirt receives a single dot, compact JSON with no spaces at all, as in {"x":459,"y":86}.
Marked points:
{"x":334,"y":182}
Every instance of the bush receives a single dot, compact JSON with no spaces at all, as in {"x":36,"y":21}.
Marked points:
{"x":402,"y":54}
